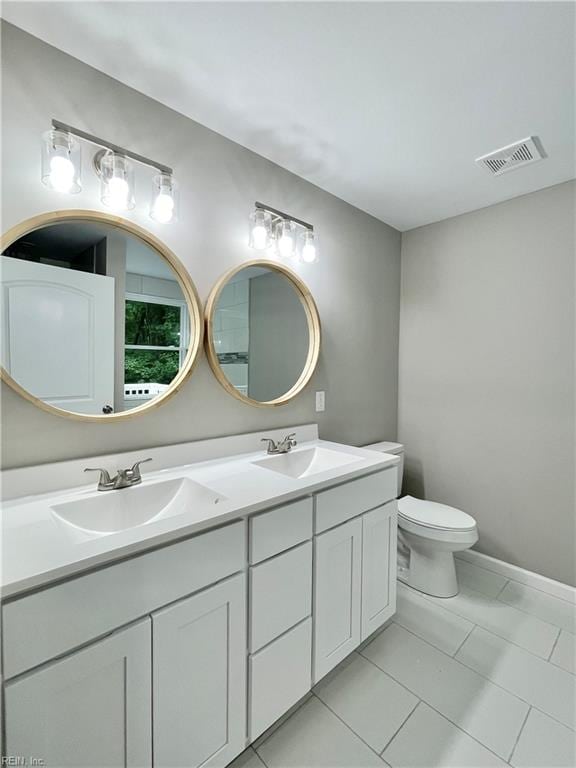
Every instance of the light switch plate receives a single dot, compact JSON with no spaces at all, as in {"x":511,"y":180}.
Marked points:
{"x":320,"y":401}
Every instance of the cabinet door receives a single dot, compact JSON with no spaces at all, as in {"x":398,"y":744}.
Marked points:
{"x":378,"y":567}
{"x":200,"y":678}
{"x":337,"y":583}
{"x":91,"y":708}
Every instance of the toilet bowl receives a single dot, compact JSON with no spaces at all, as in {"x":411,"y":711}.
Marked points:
{"x":428,"y":535}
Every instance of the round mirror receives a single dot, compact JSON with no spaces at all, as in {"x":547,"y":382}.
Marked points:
{"x":99,"y":319}
{"x":263,"y":333}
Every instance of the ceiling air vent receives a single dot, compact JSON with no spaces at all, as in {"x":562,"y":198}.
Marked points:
{"x":513,"y":156}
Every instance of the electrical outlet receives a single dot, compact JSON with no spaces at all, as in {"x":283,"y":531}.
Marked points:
{"x":320,"y":401}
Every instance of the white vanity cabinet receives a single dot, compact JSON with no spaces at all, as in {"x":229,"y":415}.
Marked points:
{"x":90,"y":708}
{"x":186,"y":653}
{"x":199,"y":677}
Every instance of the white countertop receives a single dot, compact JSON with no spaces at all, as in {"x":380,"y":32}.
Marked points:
{"x":38,"y":548}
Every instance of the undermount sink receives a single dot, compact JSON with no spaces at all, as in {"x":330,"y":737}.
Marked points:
{"x":114,"y":511}
{"x":306,"y":462}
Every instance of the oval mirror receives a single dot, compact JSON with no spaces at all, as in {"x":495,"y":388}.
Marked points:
{"x":263,"y":333}
{"x":100,"y":320}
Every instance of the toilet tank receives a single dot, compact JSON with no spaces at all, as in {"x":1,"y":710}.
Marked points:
{"x":395,"y":448}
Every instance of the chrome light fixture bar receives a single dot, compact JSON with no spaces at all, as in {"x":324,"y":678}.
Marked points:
{"x":113,"y":165}
{"x":276,"y":214}
{"x":115,"y":148}
{"x":281,"y":234}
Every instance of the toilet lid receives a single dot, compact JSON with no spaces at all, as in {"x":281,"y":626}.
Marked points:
{"x":434,"y":515}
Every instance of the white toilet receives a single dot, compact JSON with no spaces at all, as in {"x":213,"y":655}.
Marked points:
{"x":428,"y":535}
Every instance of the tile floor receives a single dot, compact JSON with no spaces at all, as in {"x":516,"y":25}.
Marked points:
{"x":482,"y":679}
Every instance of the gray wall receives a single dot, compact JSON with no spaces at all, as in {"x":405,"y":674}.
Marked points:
{"x":486,"y":404}
{"x":356,"y":282}
{"x":278,"y":337}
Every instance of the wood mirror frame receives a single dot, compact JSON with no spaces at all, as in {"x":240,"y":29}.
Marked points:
{"x":182,"y":276}
{"x":314,"y":333}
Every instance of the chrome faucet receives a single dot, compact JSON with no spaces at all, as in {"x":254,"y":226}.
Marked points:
{"x":123,"y":479}
{"x":284,"y":446}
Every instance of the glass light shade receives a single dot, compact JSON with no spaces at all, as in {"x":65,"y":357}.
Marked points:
{"x":260,"y":230}
{"x":286,"y":238}
{"x":164,"y":207}
{"x":308,"y":247}
{"x":117,"y":182}
{"x":61,"y":161}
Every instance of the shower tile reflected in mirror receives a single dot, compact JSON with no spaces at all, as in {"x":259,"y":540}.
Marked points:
{"x":232,"y":331}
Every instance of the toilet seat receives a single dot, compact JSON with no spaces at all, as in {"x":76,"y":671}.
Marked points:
{"x":431,"y":514}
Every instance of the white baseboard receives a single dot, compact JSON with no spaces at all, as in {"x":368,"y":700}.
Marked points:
{"x":521,"y":575}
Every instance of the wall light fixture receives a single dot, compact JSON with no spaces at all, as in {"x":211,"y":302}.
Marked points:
{"x":61,"y":166}
{"x":282,"y":235}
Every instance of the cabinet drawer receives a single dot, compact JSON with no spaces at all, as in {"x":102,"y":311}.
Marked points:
{"x":339,"y":504}
{"x":280,"y":675}
{"x":281,"y":594}
{"x":57,"y":619}
{"x":274,"y":532}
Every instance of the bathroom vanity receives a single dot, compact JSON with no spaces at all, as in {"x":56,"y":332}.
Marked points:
{"x":225,"y":590}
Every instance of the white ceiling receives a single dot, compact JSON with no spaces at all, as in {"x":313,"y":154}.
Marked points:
{"x":385,"y":105}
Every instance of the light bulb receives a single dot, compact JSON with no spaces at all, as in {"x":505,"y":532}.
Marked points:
{"x":61,"y":173}
{"x":117,"y":192}
{"x":260,"y":229}
{"x":163,"y":208}
{"x":61,"y":160}
{"x":117,"y":180}
{"x":286,"y":245}
{"x":309,"y":253}
{"x":259,"y":237}
{"x":286,"y":239}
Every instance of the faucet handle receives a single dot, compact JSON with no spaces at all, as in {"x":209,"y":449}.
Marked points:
{"x":290,"y":439}
{"x":104,"y":479}
{"x":272,"y":445}
{"x":135,"y":470}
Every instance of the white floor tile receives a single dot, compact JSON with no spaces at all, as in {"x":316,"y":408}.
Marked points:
{"x":564,"y":654}
{"x":428,"y":740}
{"x":544,"y":743}
{"x":486,"y":712}
{"x":558,"y":612}
{"x":248,"y":759}
{"x":480,"y":579}
{"x":367,"y":699}
{"x":442,"y":628}
{"x":527,"y":631}
{"x":314,"y":737}
{"x":545,"y":686}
